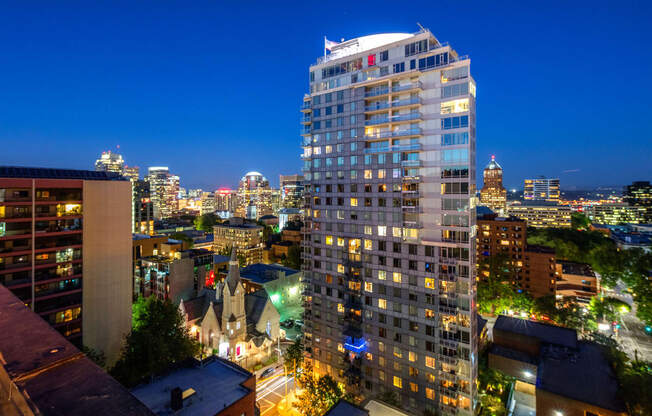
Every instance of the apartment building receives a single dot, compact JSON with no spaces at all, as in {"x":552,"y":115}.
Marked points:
{"x":65,"y":250}
{"x":389,"y":247}
{"x":493,"y":194}
{"x":531,"y":268}
{"x":164,"y":190}
{"x":291,"y":187}
{"x":245,"y":237}
{"x":254,"y":196}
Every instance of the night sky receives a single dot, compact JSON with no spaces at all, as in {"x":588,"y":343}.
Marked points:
{"x":212,"y":89}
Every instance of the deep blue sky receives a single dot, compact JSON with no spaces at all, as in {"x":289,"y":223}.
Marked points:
{"x":212,"y":89}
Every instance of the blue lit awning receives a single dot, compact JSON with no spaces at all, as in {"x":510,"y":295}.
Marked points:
{"x":356,"y":345}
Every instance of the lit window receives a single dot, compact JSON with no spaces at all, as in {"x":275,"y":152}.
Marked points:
{"x":382,"y":303}
{"x":354,"y":202}
{"x":340,"y":347}
{"x":412,"y":356}
{"x":396,"y":277}
{"x":368,"y":230}
{"x":381,"y":173}
{"x":414,"y":387}
{"x":430,"y":314}
{"x":329,"y":240}
{"x":381,"y":361}
{"x":382,"y":274}
{"x":381,"y":346}
{"x":340,"y":268}
{"x":398,"y":353}
{"x":430,"y":283}
{"x":398,"y":382}
{"x":368,"y":245}
{"x":368,"y":287}
{"x":367,"y":174}
{"x":430,"y":361}
{"x":382,"y":230}
{"x":340,"y":241}
{"x":381,"y":375}
{"x":340,"y":308}
{"x":455,"y":106}
{"x":396,"y":232}
{"x":430,"y":393}
{"x":369,"y":356}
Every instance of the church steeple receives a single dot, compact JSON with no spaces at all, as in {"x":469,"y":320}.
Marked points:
{"x":233,"y":277}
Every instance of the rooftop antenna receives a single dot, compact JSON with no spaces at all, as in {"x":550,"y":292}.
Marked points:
{"x":423,"y":29}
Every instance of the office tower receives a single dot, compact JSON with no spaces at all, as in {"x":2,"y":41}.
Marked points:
{"x":143,"y":208}
{"x":639,"y":194}
{"x":132,"y":172}
{"x":541,"y":189}
{"x":164,"y":190}
{"x":110,"y":162}
{"x":542,"y":214}
{"x":254,"y":196}
{"x":226,"y":200}
{"x":493,"y":194}
{"x":291,"y":191}
{"x":614,"y":214}
{"x":207,"y":203}
{"x":389,"y":251}
{"x":59,"y":228}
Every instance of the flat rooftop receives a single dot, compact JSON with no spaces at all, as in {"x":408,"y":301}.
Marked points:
{"x":263,"y":273}
{"x":583,"y":375}
{"x":53,"y":376}
{"x":217,"y":385}
{"x":344,"y":408}
{"x":548,"y":334}
{"x":579,"y":269}
{"x":53,"y":173}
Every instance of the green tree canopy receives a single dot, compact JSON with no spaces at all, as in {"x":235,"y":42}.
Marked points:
{"x":159,"y":339}
{"x":206,"y":222}
{"x":318,"y":395}
{"x":580,"y":221}
{"x":293,"y":260}
{"x":183,"y":237}
{"x":294,"y":355}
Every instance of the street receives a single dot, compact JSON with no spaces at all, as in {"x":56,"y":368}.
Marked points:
{"x":631,"y":335}
{"x":271,"y":390}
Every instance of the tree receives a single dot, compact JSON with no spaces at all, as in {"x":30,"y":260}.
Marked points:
{"x":319,"y":395}
{"x":206,"y":222}
{"x":293,"y":259}
{"x":608,"y":308}
{"x":183,"y":237}
{"x":159,"y":339}
{"x":96,"y":356}
{"x":580,"y":221}
{"x":294,"y":355}
{"x":495,"y":291}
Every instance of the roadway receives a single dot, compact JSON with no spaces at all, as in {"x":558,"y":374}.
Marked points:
{"x":270,"y":391}
{"x":631,"y":335}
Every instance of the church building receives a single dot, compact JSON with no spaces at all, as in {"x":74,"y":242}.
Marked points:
{"x":243,"y":328}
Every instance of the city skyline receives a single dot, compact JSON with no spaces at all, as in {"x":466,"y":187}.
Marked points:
{"x":169,"y":87}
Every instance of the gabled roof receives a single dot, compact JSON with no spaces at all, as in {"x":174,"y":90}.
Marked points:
{"x":255,"y":305}
{"x":233,"y":278}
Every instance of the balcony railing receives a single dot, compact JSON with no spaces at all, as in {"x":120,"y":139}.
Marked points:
{"x":376,"y":92}
{"x":396,"y":133}
{"x":377,"y":106}
{"x":405,"y":87}
{"x":409,"y":101}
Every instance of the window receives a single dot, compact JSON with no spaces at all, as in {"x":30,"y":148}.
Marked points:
{"x":329,"y":240}
{"x":382,"y":275}
{"x":400,"y":67}
{"x":368,"y":287}
{"x":430,"y":393}
{"x":430,"y":283}
{"x":414,"y":387}
{"x":382,"y":230}
{"x":430,"y":361}
{"x":454,"y":122}
{"x":396,"y":277}
{"x":382,"y":303}
{"x":383,"y":56}
{"x":354,"y":202}
{"x":455,"y":73}
{"x":452,"y":139}
{"x":455,"y":106}
{"x":455,"y":90}
{"x":371,"y":60}
{"x":416,"y":47}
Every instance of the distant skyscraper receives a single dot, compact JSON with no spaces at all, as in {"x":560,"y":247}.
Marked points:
{"x":254,"y":196}
{"x":132,"y":172}
{"x":291,"y":191}
{"x":389,"y":251}
{"x":226,"y":200}
{"x":493,"y":194}
{"x":110,"y":162}
{"x":541,"y":189}
{"x":639,"y":194}
{"x":164,"y":189}
{"x":143,"y":208}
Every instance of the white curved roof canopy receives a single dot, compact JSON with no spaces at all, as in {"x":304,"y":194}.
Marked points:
{"x":365,"y":43}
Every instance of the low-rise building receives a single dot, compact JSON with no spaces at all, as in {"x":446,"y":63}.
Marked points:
{"x":615,"y":214}
{"x":541,"y":214}
{"x":283,"y":285}
{"x":245,"y":237}
{"x":556,"y":374}
{"x":215,"y":387}
{"x":577,"y":282}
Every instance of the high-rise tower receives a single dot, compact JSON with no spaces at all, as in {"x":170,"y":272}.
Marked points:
{"x":389,"y":252}
{"x":493,"y":194}
{"x":110,"y":162}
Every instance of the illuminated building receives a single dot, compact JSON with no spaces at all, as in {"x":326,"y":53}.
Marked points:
{"x":614,"y":214}
{"x":389,"y":249}
{"x":577,"y":282}
{"x":254,"y":196}
{"x":554,"y":372}
{"x":291,"y":191}
{"x":164,"y":189}
{"x":245,"y":237}
{"x":110,"y":162}
{"x":242,"y":327}
{"x":207,"y":203}
{"x":143,"y":208}
{"x":639,"y":194}
{"x":226,"y":200}
{"x":542,"y":214}
{"x":283,"y":285}
{"x":541,"y":189}
{"x":59,"y":228}
{"x":531,"y":268}
{"x":493,"y":194}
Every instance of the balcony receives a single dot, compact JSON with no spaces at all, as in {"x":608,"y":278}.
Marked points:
{"x":306,"y":106}
{"x":407,"y":102}
{"x":307,"y":119}
{"x":407,"y":87}
{"x":411,"y":163}
{"x":393,"y":134}
{"x":376,"y":120}
{"x":356,"y":345}
{"x":449,"y":310}
{"x":377,"y":92}
{"x":305,"y":130}
{"x":376,"y":107}
{"x":406,"y":117}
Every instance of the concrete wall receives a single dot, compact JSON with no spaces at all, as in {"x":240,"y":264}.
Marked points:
{"x":107,"y":280}
{"x":550,"y":404}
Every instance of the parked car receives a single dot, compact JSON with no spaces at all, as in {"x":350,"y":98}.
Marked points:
{"x":288,"y":323}
{"x":298,"y":323}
